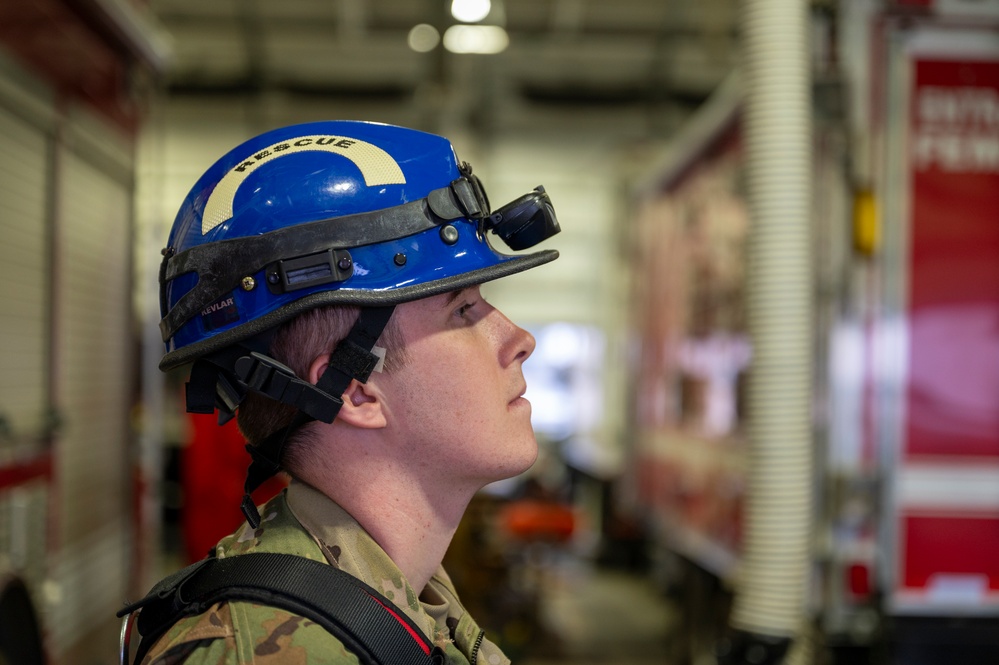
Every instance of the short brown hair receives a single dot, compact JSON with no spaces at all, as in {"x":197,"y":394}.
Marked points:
{"x":296,"y":344}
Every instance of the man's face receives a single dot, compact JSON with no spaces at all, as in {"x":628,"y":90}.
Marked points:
{"x":457,"y":401}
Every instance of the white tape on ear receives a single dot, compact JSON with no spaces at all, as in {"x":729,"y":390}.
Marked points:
{"x":380,"y":352}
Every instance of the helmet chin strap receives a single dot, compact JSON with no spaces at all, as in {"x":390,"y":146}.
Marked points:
{"x":351,"y":359}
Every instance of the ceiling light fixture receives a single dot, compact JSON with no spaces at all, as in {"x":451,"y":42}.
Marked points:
{"x":470,"y":11}
{"x":423,"y":38}
{"x":484,"y":39}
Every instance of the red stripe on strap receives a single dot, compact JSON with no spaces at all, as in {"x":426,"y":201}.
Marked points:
{"x":405,"y":624}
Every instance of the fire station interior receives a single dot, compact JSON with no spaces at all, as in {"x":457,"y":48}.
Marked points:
{"x":766,"y":382}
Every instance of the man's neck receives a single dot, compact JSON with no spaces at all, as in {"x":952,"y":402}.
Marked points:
{"x":413,"y":536}
{"x":413,"y":525}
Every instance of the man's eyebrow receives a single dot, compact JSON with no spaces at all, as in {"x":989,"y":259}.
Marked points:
{"x":454,"y":295}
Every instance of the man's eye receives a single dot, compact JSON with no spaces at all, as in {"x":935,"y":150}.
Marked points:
{"x":466,"y":310}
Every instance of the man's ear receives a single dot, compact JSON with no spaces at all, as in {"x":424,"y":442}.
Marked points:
{"x":362,"y":403}
{"x":362,"y":406}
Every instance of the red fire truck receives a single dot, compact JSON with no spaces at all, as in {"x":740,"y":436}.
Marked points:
{"x":905,"y":224}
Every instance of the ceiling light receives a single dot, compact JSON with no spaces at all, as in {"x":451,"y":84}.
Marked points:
{"x":470,"y":11}
{"x":476,"y":39}
{"x":423,"y":38}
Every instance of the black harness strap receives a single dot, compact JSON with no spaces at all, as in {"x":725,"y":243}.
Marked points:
{"x":351,"y":359}
{"x":367,"y":623}
{"x":221,"y":380}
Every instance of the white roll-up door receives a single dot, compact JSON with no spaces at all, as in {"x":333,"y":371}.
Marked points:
{"x":24,"y":345}
{"x":67,"y":348}
{"x":95,"y":342}
{"x":95,"y":345}
{"x":24,"y":279}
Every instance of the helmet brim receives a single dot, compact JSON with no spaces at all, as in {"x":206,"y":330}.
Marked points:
{"x":357,"y":298}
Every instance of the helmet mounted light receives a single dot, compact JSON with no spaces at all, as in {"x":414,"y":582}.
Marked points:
{"x":525,"y":222}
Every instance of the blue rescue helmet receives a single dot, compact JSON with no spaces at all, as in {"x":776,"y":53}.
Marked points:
{"x":336,"y":212}
{"x":324,"y":213}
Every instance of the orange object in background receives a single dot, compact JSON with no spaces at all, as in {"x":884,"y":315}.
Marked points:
{"x":538,"y":520}
{"x":212,"y":474}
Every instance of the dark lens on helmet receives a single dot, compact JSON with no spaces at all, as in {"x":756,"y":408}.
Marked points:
{"x":526,"y":221}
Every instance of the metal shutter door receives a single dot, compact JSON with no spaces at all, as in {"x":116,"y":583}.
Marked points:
{"x":23,"y":276}
{"x":95,"y":344}
{"x":24,"y":342}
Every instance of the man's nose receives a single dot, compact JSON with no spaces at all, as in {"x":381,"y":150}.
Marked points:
{"x":517,"y":343}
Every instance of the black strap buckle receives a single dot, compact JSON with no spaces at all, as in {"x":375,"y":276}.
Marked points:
{"x":464,"y":197}
{"x":262,"y":374}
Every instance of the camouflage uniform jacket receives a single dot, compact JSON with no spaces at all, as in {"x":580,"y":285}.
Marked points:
{"x":303,"y":521}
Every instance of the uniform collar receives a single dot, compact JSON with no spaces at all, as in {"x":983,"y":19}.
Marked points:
{"x":346,"y":544}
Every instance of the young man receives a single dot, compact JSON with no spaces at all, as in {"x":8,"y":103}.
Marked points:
{"x":324,"y":280}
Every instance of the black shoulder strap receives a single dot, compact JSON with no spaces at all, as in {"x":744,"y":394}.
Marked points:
{"x":367,"y":623}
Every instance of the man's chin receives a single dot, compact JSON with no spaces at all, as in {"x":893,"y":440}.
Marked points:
{"x":530,"y":456}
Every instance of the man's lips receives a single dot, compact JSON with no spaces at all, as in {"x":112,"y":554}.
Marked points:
{"x":519,"y":395}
